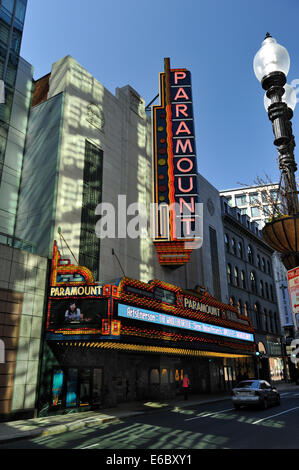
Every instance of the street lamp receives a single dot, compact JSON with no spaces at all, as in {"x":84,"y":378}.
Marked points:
{"x":271,"y":65}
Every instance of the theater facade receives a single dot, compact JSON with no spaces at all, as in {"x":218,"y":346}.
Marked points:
{"x":130,"y":340}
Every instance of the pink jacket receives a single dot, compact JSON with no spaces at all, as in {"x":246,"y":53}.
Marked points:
{"x":186,"y":382}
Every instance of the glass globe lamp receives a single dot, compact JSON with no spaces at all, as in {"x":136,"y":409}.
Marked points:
{"x":271,"y":57}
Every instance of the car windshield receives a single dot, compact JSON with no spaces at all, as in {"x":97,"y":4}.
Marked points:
{"x":248,"y":384}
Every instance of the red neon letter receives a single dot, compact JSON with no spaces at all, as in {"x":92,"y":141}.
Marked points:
{"x":181,"y":108}
{"x":181,"y":94}
{"x":190,"y":185}
{"x":183,"y":146}
{"x":179,"y":76}
{"x":184,"y":160}
{"x":183,"y":128}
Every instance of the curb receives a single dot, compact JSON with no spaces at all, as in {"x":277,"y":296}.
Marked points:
{"x":63,"y":428}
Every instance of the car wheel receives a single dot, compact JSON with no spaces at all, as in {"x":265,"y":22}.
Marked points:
{"x":265,"y":404}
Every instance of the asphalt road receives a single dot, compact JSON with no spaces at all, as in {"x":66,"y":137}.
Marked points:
{"x":209,"y":426}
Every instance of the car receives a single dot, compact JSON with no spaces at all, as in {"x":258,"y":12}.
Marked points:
{"x":255,"y":392}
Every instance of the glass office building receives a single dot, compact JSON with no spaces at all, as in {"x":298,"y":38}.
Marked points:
{"x":17,"y":77}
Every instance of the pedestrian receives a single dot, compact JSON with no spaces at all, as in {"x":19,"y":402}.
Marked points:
{"x":186,"y":385}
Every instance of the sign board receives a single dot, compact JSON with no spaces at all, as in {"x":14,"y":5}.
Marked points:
{"x":175,"y":168}
{"x":293,"y":283}
{"x":134,"y":313}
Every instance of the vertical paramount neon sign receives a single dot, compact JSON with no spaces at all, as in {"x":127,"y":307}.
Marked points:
{"x":177,"y":218}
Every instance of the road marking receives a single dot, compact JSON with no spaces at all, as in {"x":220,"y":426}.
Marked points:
{"x":277,"y":414}
{"x":88,"y":447}
{"x":209,"y":414}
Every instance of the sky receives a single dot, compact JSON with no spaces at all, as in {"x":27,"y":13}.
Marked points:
{"x":124,"y":42}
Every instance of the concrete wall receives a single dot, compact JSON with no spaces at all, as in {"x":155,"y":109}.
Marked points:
{"x":22,"y":294}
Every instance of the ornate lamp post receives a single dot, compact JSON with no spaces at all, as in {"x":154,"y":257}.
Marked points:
{"x":271,"y":65}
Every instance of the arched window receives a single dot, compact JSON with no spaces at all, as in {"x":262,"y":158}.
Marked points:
{"x":267,"y":290}
{"x":240,"y":250}
{"x":257,"y":317}
{"x":232,"y":301}
{"x":229,"y":274}
{"x":266,"y":320}
{"x":240,"y":306}
{"x":262,"y":288}
{"x":250,"y":254}
{"x":275,"y":322}
{"x":271,"y":322}
{"x":263,"y":264}
{"x":243,"y":279}
{"x":226,"y":242}
{"x":259,"y":261}
{"x":269,"y":267}
{"x":246,"y":309}
{"x":236,"y":276}
{"x":271,"y":292}
{"x":253,"y":282}
{"x":234,"y":249}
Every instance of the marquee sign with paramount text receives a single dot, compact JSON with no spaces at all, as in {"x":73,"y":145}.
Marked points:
{"x":154,"y":312}
{"x":177,"y":218}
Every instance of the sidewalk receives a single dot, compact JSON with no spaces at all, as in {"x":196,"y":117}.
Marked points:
{"x":36,"y":427}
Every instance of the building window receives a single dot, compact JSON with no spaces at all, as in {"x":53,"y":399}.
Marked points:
{"x":240,"y":250}
{"x":229,"y":274}
{"x":243,"y":279}
{"x":255,"y":212}
{"x":254,"y":198}
{"x":236,"y":277}
{"x":269,"y":267}
{"x":263,"y":264}
{"x":246,"y":309}
{"x":240,"y":306}
{"x":240,"y":200}
{"x":271,"y":292}
{"x":250,"y":254}
{"x":257,"y":318}
{"x":266,"y":320}
{"x":234,"y":250}
{"x":270,"y":322}
{"x":215,"y":263}
{"x":232,"y":301}
{"x":226,"y":242}
{"x":244,"y":211}
{"x":92,"y":196}
{"x":262,"y":288}
{"x":253,"y":282}
{"x":259,"y":261}
{"x":275,"y":322}
{"x":267,"y":290}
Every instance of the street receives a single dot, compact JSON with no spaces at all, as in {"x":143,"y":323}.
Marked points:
{"x":208,"y":426}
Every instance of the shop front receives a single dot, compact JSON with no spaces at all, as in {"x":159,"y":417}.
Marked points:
{"x":110,"y":343}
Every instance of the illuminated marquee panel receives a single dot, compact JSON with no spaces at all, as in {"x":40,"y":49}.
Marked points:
{"x":159,"y":295}
{"x":149,"y":316}
{"x":175,"y":168}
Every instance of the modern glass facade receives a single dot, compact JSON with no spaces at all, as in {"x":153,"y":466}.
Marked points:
{"x":17,"y":77}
